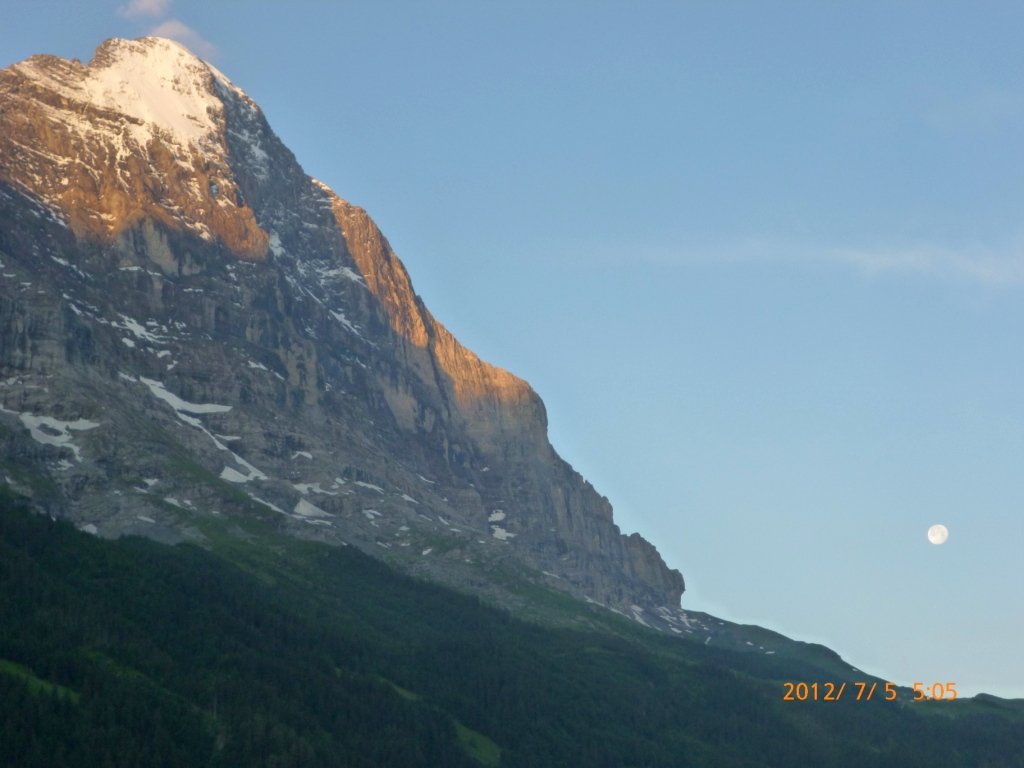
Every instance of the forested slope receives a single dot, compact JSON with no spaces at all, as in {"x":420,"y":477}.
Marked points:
{"x":133,"y":653}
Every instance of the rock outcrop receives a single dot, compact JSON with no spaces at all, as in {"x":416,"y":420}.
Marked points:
{"x":191,"y":326}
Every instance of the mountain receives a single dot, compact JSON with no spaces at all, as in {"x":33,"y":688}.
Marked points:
{"x":192,"y":330}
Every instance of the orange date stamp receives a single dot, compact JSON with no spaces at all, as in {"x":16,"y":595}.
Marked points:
{"x":865,"y":691}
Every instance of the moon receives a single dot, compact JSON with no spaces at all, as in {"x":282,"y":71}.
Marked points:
{"x":937,"y":534}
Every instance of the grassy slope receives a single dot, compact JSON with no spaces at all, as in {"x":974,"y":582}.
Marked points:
{"x":274,"y":652}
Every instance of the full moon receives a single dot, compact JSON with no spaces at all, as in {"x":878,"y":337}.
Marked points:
{"x":937,"y":534}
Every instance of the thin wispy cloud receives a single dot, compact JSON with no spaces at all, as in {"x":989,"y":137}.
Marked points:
{"x":171,"y":28}
{"x":980,"y":264}
{"x":987,"y":109}
{"x":175,"y":30}
{"x":140,"y":8}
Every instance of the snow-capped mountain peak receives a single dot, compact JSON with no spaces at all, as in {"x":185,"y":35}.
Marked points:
{"x":141,"y":132}
{"x":160,"y":86}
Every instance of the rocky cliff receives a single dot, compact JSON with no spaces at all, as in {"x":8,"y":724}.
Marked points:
{"x":190,"y":326}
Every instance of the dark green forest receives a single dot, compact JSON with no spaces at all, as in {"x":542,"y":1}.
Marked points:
{"x":132,"y":653}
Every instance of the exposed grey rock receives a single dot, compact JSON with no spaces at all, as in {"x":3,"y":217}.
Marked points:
{"x":210,"y":332}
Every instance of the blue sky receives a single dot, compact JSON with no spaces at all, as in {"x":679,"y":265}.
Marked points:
{"x":763,"y":261}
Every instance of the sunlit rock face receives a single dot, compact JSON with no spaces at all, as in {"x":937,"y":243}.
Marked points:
{"x":246,"y":343}
{"x":138,"y":134}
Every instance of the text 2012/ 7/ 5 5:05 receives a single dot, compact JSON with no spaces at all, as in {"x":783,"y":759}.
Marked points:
{"x":833,"y":692}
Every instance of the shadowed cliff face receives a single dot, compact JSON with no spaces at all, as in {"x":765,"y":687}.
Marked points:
{"x":184,"y":257}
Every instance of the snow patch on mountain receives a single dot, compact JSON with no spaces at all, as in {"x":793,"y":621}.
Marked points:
{"x":275,"y":246}
{"x":183,"y":408}
{"x":158,"y":389}
{"x":139,"y":330}
{"x":305,"y":509}
{"x":340,"y":317}
{"x":501,"y":534}
{"x":50,"y":431}
{"x":163,"y":88}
